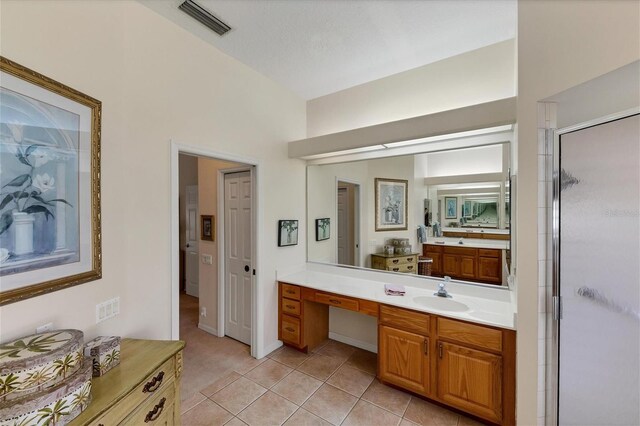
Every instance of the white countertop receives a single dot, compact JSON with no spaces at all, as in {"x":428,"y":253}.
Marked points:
{"x":477,"y":230}
{"x":469,"y":242}
{"x":487,"y":304}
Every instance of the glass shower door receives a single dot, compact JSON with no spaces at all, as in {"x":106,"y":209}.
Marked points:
{"x":599,"y":274}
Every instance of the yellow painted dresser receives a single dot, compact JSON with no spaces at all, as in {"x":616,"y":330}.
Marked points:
{"x":143,"y":389}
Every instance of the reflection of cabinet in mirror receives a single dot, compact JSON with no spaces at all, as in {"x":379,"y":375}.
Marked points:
{"x":407,"y":263}
{"x":469,"y":264}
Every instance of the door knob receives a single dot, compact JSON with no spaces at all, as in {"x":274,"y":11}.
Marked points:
{"x":246,"y":268}
{"x":188,"y":245}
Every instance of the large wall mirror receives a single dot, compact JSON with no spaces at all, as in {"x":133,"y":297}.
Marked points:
{"x":445,"y":213}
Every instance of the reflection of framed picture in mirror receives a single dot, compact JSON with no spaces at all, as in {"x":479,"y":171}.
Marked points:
{"x":50,"y":203}
{"x":450,"y":207}
{"x":323,"y":230}
{"x":287,"y":233}
{"x":207,"y":227}
{"x":391,"y":204}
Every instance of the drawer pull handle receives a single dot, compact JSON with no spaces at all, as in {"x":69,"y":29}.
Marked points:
{"x":290,"y":306}
{"x":289,"y":329}
{"x":395,"y":260}
{"x":336,"y":301}
{"x":396,"y":269}
{"x":440,"y":350}
{"x":409,"y":267}
{"x":154,"y":383}
{"x":426,"y":347}
{"x":290,"y":292}
{"x":155,"y":413}
{"x":409,"y":259}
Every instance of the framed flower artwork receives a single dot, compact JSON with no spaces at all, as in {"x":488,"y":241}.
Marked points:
{"x":49,"y":185}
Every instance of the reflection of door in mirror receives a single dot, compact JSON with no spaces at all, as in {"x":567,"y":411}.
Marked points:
{"x":347,"y":217}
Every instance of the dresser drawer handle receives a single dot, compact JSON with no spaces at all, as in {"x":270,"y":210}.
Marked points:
{"x":154,"y":383}
{"x":155,"y":413}
{"x":409,"y":259}
{"x":395,"y":260}
{"x":289,"y":329}
{"x":290,"y":306}
{"x":336,"y":301}
{"x":395,"y":269}
{"x":409,"y":266}
{"x":290,"y":292}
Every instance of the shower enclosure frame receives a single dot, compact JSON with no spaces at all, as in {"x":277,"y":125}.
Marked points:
{"x":552,"y":140}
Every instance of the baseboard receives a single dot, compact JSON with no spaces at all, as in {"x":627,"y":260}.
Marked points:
{"x":208,"y":329}
{"x":354,"y":342}
{"x":272,"y":347}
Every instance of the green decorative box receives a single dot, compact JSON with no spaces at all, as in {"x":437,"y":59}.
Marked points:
{"x":104,"y":351}
{"x":34,"y":363}
{"x":56,"y":405}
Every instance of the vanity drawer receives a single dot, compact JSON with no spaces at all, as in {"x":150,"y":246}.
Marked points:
{"x":488,"y":253}
{"x":337,"y":301}
{"x":404,"y":318}
{"x":290,"y":329}
{"x":290,"y":291}
{"x":401,"y":260}
{"x":461,"y":251}
{"x":290,"y":306}
{"x":403,"y":268}
{"x":477,"y":335}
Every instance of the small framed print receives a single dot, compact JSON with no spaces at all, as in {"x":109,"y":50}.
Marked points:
{"x":287,"y":232}
{"x":323,"y":230}
{"x":207,"y":228}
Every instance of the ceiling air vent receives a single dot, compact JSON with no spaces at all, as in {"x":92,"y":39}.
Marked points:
{"x":205,"y":17}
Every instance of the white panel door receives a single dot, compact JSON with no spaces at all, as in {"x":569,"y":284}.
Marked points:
{"x":238,"y":239}
{"x":191,"y":241}
{"x":599,"y":343}
{"x":345,"y":249}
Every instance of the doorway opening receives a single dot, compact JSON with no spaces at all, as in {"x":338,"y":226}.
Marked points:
{"x":348,"y":214}
{"x":214,"y":245}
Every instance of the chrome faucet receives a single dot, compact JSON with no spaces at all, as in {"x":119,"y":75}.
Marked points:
{"x":442,"y":291}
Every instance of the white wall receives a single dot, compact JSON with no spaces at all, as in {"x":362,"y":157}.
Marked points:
{"x":483,"y":159}
{"x":156,"y":82}
{"x":560,"y":45}
{"x":483,"y":75}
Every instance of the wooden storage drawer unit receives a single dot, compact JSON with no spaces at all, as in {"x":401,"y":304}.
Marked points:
{"x":472,"y":334}
{"x":291,"y":291}
{"x":149,"y":371}
{"x":404,"y":318}
{"x":407,"y":263}
{"x":400,"y":260}
{"x":402,"y":268}
{"x":337,"y":301}
{"x":461,"y":251}
{"x":290,"y":329}
{"x":289,"y":306}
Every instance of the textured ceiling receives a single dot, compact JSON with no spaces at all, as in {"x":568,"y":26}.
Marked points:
{"x":317,"y":47}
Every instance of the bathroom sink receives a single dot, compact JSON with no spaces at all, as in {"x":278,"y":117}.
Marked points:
{"x":441,"y":303}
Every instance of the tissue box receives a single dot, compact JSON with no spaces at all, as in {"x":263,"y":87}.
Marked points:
{"x":104,"y":352}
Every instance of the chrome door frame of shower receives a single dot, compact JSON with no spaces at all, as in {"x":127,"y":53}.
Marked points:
{"x":555,"y":302}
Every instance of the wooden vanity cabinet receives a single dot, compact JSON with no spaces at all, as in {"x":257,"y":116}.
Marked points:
{"x":465,"y":263}
{"x":435,"y":253}
{"x":464,"y":365}
{"x":403,"y":349}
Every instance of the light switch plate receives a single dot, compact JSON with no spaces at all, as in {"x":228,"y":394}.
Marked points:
{"x":107,"y":309}
{"x":207,"y":259}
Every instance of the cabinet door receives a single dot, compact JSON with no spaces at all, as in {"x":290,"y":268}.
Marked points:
{"x":403,"y":359}
{"x":470,"y":380}
{"x":467,"y":267}
{"x":489,"y":269}
{"x":450,"y":265}
{"x":436,"y":266}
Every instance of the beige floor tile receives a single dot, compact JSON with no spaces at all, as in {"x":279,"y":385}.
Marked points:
{"x":233,"y":422}
{"x":320,"y":346}
{"x":297,"y":387}
{"x":289,"y":357}
{"x":337,"y":350}
{"x":268,"y":373}
{"x":387,"y":397}
{"x":351,"y":380}
{"x":466,"y":421}
{"x":364,"y":360}
{"x":268,"y":410}
{"x":220,"y":383}
{"x":332,"y":404}
{"x":238,"y":395}
{"x":194,"y":400}
{"x":427,"y":414}
{"x":304,"y":418}
{"x":206,"y":413}
{"x":249,"y":364}
{"x":366,"y":414}
{"x":406,"y":422}
{"x":320,"y":366}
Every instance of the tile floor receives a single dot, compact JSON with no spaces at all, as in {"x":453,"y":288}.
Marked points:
{"x":334,"y":385}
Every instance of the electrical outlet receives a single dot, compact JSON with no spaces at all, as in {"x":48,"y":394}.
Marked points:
{"x":45,"y":328}
{"x":207,"y":259}
{"x":203,"y":311}
{"x":107,"y":309}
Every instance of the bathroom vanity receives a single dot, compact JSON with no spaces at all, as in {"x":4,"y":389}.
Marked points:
{"x":459,"y":351}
